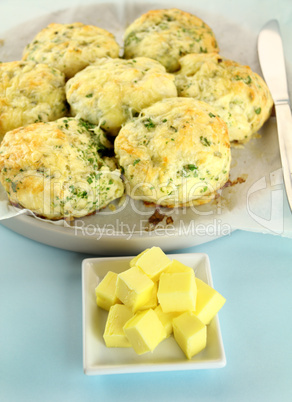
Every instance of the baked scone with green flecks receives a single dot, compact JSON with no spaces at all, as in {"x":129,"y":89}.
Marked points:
{"x":56,"y":169}
{"x":30,"y":92}
{"x":111,"y":91}
{"x":237,"y":94}
{"x":176,"y":153}
{"x":166,"y":35}
{"x":71,"y":47}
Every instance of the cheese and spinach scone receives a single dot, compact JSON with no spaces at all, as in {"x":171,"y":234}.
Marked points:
{"x":55,"y":169}
{"x":176,"y":153}
{"x":166,"y":35}
{"x":71,"y":47}
{"x":111,"y":91}
{"x":237,"y":94}
{"x":30,"y":92}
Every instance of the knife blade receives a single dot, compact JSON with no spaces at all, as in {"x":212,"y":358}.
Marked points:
{"x":272,"y":61}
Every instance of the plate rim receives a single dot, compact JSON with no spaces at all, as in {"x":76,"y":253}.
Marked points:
{"x":104,"y":245}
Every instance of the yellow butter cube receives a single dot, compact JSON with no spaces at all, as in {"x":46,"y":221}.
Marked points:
{"x":209,"y":302}
{"x":152,"y":262}
{"x":114,"y":335}
{"x":166,"y":319}
{"x":190,"y":333}
{"x":134,"y":260}
{"x":106,"y":291}
{"x":177,"y":266}
{"x":144,"y":331}
{"x":152,"y":302}
{"x":177,"y":292}
{"x":134,"y":288}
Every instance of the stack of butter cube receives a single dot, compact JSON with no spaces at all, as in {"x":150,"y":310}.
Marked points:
{"x":154,"y":298}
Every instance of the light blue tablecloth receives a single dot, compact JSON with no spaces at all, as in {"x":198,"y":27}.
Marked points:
{"x":40,"y":295}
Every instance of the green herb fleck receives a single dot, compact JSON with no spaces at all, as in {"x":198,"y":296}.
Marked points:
{"x":203,"y":50}
{"x":246,"y":80}
{"x":66,"y":123}
{"x":149,"y":124}
{"x":132,"y":37}
{"x":85,"y":124}
{"x":204,"y":141}
{"x":192,"y":167}
{"x":258,"y":110}
{"x":136,"y":161}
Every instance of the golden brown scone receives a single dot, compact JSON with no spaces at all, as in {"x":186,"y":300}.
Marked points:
{"x":167,"y":35}
{"x":113,"y":90}
{"x":237,"y":94}
{"x":54,"y":169}
{"x":176,"y":153}
{"x":71,"y":47}
{"x":29,"y":92}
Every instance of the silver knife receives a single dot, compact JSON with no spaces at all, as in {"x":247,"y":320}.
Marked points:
{"x":272,"y":61}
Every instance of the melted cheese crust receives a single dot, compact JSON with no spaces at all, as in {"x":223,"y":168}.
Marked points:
{"x":177,"y":152}
{"x":167,"y":35}
{"x":54,"y":169}
{"x":114,"y":90}
{"x":239,"y":96}
{"x":29,"y":92}
{"x":71,"y":47}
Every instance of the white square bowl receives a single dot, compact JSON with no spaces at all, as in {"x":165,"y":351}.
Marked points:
{"x":98,"y":359}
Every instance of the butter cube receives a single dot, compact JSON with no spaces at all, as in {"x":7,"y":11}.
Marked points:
{"x":177,"y":266}
{"x":144,"y":331}
{"x":166,"y":319}
{"x":209,"y":302}
{"x":114,"y":335}
{"x":106,"y":291}
{"x":190,"y":333}
{"x":177,"y":292}
{"x":134,"y":288}
{"x":153,"y":262}
{"x":134,"y":260}
{"x":152,"y":302}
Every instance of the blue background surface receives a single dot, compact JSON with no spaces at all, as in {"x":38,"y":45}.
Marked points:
{"x":41,"y":305}
{"x":41,"y":327}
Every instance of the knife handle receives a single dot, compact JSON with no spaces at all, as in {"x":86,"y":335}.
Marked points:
{"x":284,"y":124}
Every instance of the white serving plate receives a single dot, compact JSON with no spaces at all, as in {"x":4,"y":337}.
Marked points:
{"x":98,"y":359}
{"x":106,"y":233}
